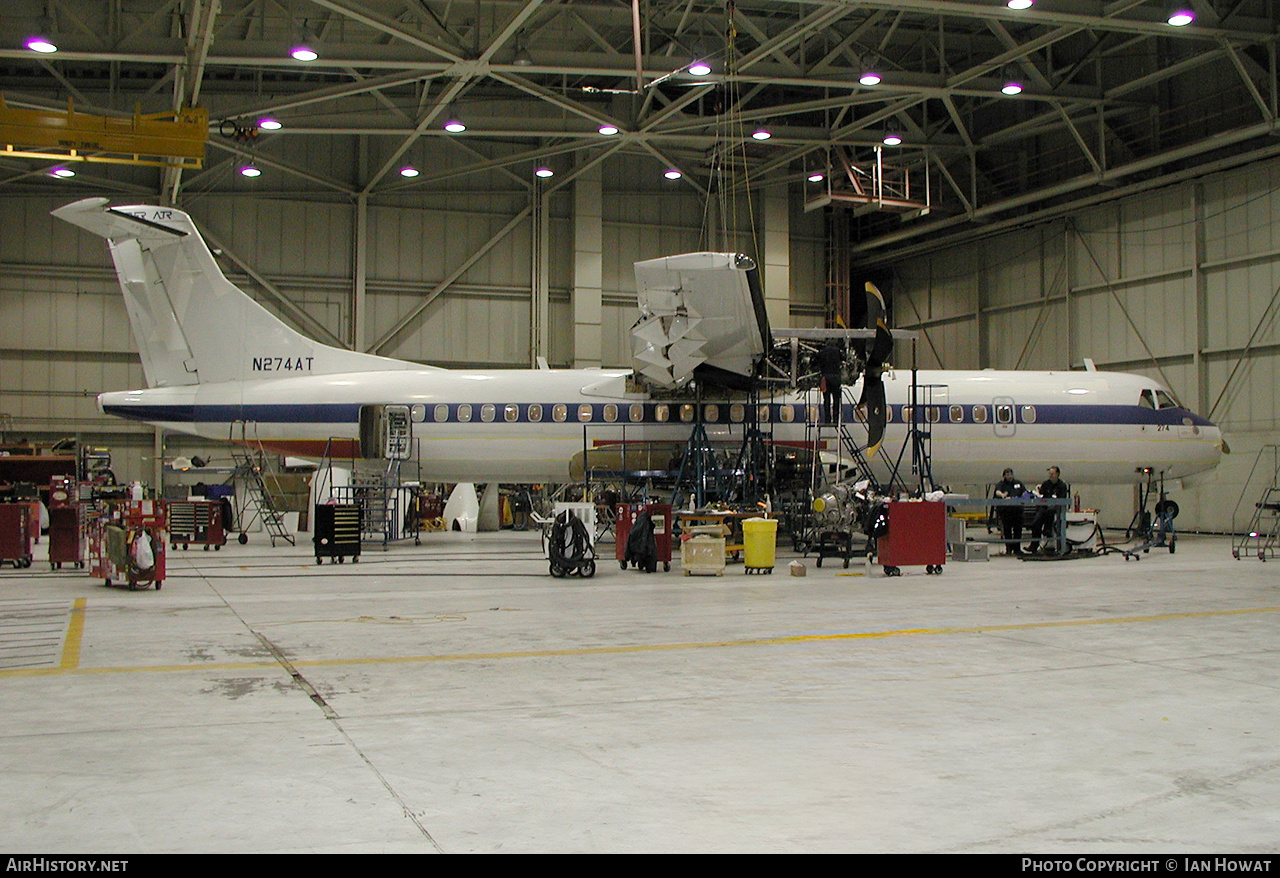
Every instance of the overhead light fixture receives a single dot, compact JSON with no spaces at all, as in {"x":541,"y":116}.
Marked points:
{"x":41,"y":41}
{"x":608,"y":130}
{"x":521,"y":58}
{"x":869,"y":75}
{"x":544,"y":172}
{"x":892,"y":138}
{"x":699,"y":68}
{"x":672,"y":174}
{"x":761,"y":134}
{"x":270,"y":124}
{"x":453,"y":126}
{"x":1020,"y":4}
{"x":304,"y":49}
{"x":251,"y":171}
{"x":1011,"y":87}
{"x":817,"y":177}
{"x":1181,"y":16}
{"x":64,"y":173}
{"x":409,"y":171}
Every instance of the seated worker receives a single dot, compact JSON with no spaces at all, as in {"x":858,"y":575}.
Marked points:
{"x":1042,"y":527}
{"x":1010,"y":516}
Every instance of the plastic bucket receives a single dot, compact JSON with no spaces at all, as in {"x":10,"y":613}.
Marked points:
{"x":759,"y":542}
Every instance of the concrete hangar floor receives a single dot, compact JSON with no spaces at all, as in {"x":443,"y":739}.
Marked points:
{"x":455,"y":697}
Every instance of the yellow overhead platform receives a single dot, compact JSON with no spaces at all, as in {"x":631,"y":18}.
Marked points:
{"x":157,"y":139}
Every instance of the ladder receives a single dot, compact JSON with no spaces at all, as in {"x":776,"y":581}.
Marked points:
{"x":381,"y":497}
{"x":1260,"y":536}
{"x":251,"y":471}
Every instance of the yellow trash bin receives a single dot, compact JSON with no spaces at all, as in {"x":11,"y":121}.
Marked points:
{"x":759,"y":544}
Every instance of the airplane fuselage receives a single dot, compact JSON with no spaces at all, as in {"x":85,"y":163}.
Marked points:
{"x":528,"y":425}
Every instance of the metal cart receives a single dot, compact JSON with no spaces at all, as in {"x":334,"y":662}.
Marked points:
{"x":337,"y":532}
{"x":917,"y":535}
{"x":114,"y":538}
{"x":659,"y":514}
{"x":196,"y":521}
{"x":15,"y":534}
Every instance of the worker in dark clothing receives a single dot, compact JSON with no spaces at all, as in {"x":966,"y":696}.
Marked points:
{"x":1010,"y":516}
{"x":830,"y":364}
{"x":1051,"y":488}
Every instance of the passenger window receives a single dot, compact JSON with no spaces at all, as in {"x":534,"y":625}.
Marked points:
{"x":979,"y":414}
{"x":464,"y":412}
{"x":811,"y":414}
{"x":535,"y":412}
{"x":764,"y":414}
{"x":1004,"y":414}
{"x":611,"y":412}
{"x":662,"y":413}
{"x":932,"y":414}
{"x":956,"y":413}
{"x":636,"y":412}
{"x":441,"y":413}
{"x":711,"y":413}
{"x":687,"y":413}
{"x":786,"y":414}
{"x":487,"y":412}
{"x":584,"y":412}
{"x":1028,"y":414}
{"x":737,"y":412}
{"x":907,"y":413}
{"x":511,"y":412}
{"x":418,"y":413}
{"x":559,"y":412}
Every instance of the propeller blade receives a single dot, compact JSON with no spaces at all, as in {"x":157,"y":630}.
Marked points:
{"x":873,"y":402}
{"x":875,"y":305}
{"x":881,"y":348}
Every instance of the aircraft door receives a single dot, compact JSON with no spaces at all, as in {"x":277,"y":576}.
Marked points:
{"x":386,"y":432}
{"x":1004,"y":416}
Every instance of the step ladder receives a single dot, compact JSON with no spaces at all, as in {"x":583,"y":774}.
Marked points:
{"x":252,"y":472}
{"x":382,"y":499}
{"x":1261,"y":536}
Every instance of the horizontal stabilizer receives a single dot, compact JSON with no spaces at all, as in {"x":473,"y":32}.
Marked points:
{"x":711,"y":310}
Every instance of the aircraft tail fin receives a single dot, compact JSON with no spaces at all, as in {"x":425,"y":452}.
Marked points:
{"x":192,"y":325}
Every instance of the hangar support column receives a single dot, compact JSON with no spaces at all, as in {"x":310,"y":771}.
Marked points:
{"x":588,"y":267}
{"x":776,"y":255}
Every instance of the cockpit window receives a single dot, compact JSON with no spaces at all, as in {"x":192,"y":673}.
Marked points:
{"x":1158,"y":399}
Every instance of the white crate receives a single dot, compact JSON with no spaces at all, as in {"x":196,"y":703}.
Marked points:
{"x":702,"y":556}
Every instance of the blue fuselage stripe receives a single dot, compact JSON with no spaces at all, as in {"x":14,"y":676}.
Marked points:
{"x":652,"y":413}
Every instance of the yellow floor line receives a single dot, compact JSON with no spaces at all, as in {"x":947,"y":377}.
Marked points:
{"x":631,"y":648}
{"x":75,"y":633}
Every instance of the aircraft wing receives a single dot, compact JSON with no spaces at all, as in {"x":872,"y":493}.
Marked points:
{"x":703,"y":314}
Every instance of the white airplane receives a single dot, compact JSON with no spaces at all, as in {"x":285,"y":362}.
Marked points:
{"x":220,"y":366}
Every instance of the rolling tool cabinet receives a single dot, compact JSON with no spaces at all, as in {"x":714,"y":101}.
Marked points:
{"x":196,"y":521}
{"x":917,"y":535}
{"x":337,"y":532}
